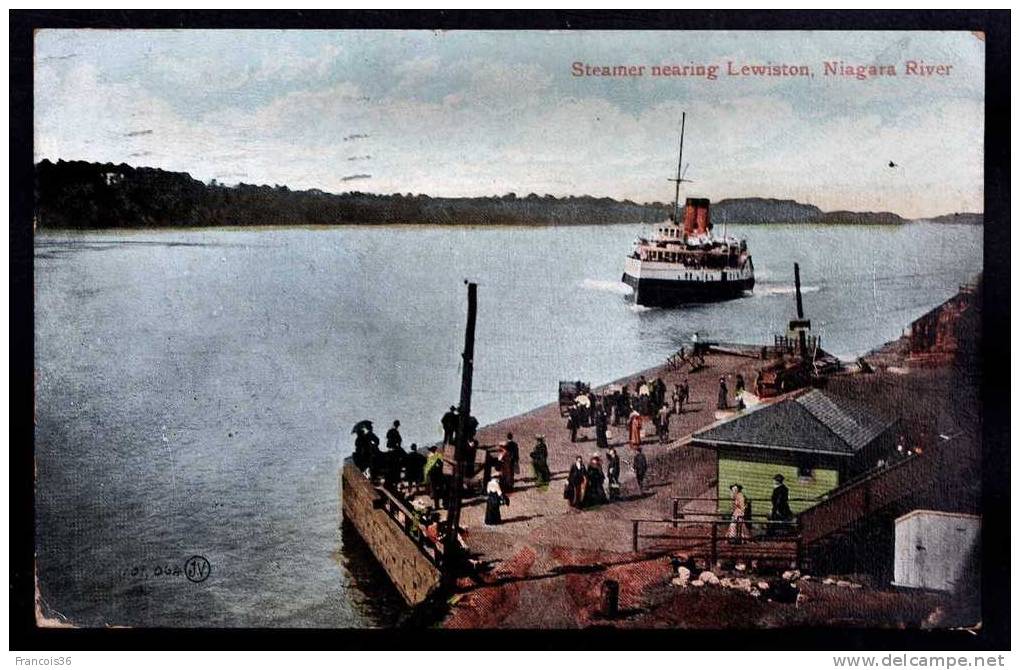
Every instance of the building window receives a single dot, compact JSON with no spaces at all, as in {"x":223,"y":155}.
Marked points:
{"x":805,"y":471}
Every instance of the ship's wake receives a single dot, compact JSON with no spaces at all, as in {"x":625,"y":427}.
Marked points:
{"x":617,"y":287}
{"x":782,"y":289}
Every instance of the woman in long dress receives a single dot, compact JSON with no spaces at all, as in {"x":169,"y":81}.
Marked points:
{"x":575,"y":483}
{"x":634,"y":429}
{"x":505,"y":469}
{"x":739,"y":528}
{"x":540,"y":461}
{"x":493,"y":499}
{"x":595,"y":492}
{"x":601,"y":438}
{"x":613,"y":473}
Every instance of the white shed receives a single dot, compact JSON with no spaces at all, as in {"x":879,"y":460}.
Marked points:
{"x":936,"y":550}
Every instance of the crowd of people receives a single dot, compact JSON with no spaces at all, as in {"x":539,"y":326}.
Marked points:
{"x":588,"y":484}
{"x":412,"y":473}
{"x":403,"y":472}
{"x":651,"y":398}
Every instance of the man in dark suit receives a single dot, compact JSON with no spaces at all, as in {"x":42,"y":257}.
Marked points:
{"x":780,"y":504}
{"x":449,"y":422}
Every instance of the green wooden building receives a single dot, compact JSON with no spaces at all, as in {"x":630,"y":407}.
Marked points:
{"x":816,"y":440}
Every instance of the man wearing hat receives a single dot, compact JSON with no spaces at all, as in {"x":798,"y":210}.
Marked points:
{"x":449,"y":422}
{"x":780,"y":503}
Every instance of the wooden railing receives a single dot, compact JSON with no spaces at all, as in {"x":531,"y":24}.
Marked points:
{"x":782,"y":539}
{"x":792,"y":344}
{"x":869,"y":494}
{"x":678,"y":501}
{"x":406,"y":519}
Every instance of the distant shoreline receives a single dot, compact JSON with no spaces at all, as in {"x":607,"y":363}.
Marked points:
{"x":474,"y":226}
{"x":77,"y":195}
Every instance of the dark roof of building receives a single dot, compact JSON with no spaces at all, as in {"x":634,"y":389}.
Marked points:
{"x":814,"y":422}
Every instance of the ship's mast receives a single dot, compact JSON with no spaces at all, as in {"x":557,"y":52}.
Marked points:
{"x":679,"y":176}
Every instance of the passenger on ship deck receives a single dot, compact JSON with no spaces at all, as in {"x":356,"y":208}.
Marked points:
{"x":678,"y":400}
{"x":723,"y":394}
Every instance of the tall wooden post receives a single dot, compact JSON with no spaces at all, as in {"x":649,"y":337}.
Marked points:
{"x":800,"y":312}
{"x":796,"y":283}
{"x":453,"y":515}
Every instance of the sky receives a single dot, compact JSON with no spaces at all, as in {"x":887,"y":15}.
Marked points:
{"x":469,"y":113}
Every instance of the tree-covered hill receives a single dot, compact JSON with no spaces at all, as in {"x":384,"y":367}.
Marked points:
{"x":77,"y":194}
{"x":91,"y":195}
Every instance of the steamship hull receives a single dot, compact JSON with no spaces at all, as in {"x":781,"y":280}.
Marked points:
{"x":670,"y":293}
{"x":668,"y":285}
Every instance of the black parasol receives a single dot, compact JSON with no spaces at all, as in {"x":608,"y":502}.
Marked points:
{"x":361,"y":424}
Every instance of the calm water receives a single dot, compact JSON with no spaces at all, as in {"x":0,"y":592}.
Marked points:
{"x":196,"y":389}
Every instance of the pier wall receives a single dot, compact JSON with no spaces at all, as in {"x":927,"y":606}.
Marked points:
{"x":414,"y":575}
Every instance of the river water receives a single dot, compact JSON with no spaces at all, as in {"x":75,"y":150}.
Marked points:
{"x":196,"y":388}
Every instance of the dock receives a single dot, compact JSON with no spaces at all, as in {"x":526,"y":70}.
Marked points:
{"x":548,"y":565}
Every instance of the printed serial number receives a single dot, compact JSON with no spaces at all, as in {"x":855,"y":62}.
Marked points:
{"x":196,"y":569}
{"x":146,"y":571}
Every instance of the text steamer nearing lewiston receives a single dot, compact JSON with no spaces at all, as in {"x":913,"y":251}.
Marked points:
{"x":681,"y":264}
